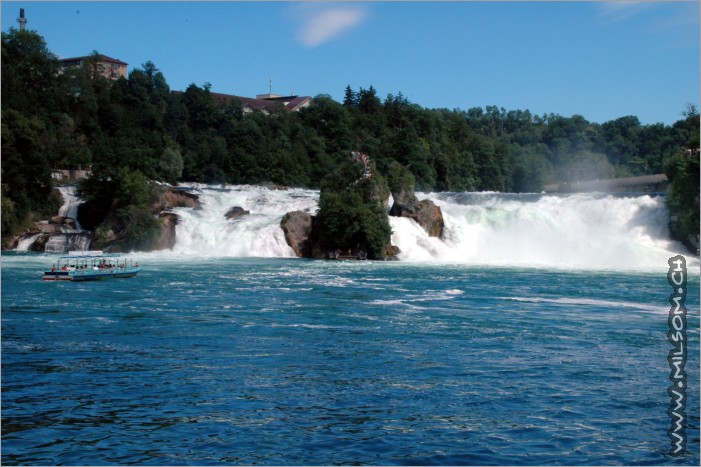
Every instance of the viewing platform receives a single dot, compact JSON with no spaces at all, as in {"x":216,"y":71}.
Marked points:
{"x":645,"y":183}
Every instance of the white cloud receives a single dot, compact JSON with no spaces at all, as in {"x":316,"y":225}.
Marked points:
{"x":622,"y":10}
{"x":322,"y":26}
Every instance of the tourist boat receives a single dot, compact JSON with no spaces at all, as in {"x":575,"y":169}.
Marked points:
{"x":91,"y":266}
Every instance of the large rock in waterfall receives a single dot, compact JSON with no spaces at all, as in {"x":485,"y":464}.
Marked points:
{"x":406,"y":204}
{"x":69,"y":222}
{"x":175,"y":197}
{"x":166,"y":239}
{"x":236,"y":212}
{"x":300,"y":232}
{"x":424,"y":212}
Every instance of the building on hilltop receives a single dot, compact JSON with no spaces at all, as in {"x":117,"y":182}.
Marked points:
{"x":265,"y":103}
{"x":292,"y":103}
{"x":107,"y":67}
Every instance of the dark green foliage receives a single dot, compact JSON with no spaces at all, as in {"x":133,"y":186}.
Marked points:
{"x":683,"y":192}
{"x":140,"y":229}
{"x":682,"y":171}
{"x":351,"y":212}
{"x":32,"y":98}
{"x":122,"y":203}
{"x":683,"y":197}
{"x":400,"y":179}
{"x":77,"y":118}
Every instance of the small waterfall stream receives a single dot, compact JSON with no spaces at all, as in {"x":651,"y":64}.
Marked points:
{"x":63,"y":237}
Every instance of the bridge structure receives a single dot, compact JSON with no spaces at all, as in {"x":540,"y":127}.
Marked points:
{"x":645,"y":183}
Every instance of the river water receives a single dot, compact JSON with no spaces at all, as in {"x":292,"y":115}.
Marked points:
{"x":534,"y":332}
{"x":287,"y":361}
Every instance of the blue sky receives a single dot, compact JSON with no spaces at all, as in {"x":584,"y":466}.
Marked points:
{"x":601,"y":60}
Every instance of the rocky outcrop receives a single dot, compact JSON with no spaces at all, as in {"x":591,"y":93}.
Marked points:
{"x":175,"y":197}
{"x":424,"y":212}
{"x":392,"y":251}
{"x":430,"y":217}
{"x":166,"y":239}
{"x":236,"y":212}
{"x":403,"y":201}
{"x":300,"y":232}
{"x":57,"y":235}
{"x":68,"y":222}
{"x":406,"y":204}
{"x":57,"y":242}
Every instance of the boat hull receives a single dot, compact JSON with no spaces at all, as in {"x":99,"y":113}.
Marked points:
{"x":83,"y":276}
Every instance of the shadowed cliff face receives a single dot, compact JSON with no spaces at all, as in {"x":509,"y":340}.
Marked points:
{"x":300,"y":232}
{"x":172,"y":198}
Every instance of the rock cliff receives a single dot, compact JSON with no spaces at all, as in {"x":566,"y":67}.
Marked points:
{"x":300,"y":232}
{"x":424,"y":212}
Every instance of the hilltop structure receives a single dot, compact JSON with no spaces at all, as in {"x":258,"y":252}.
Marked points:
{"x":265,"y":103}
{"x":107,"y":67}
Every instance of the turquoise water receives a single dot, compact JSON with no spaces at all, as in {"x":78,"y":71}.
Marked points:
{"x":286,"y":361}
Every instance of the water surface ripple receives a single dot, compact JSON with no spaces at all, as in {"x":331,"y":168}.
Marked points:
{"x":282,"y":361}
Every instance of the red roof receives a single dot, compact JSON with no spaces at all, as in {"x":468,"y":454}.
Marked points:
{"x":102,"y":58}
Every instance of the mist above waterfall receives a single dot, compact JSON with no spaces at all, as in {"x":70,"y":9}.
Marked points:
{"x":583,"y":231}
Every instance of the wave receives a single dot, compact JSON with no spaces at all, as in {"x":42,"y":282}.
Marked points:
{"x":574,"y":301}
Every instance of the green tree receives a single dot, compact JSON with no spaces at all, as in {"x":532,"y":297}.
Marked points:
{"x":171,"y":164}
{"x":351,"y":211}
{"x":350,"y":98}
{"x":683,"y":198}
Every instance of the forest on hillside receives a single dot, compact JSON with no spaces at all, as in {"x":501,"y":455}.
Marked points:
{"x":134,"y":129}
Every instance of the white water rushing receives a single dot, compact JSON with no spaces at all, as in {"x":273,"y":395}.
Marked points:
{"x":583,"y":231}
{"x":207,"y":232}
{"x":71,"y":202}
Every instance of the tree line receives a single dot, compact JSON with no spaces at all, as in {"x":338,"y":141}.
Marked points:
{"x":135,"y":129}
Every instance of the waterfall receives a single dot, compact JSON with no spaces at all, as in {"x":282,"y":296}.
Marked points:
{"x":584,"y":230}
{"x":62,"y":243}
{"x":26,"y":241}
{"x":207,"y":232}
{"x":581,"y":231}
{"x":71,"y":202}
{"x":59,"y":238}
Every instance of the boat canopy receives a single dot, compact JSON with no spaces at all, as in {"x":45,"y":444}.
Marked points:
{"x":90,"y":254}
